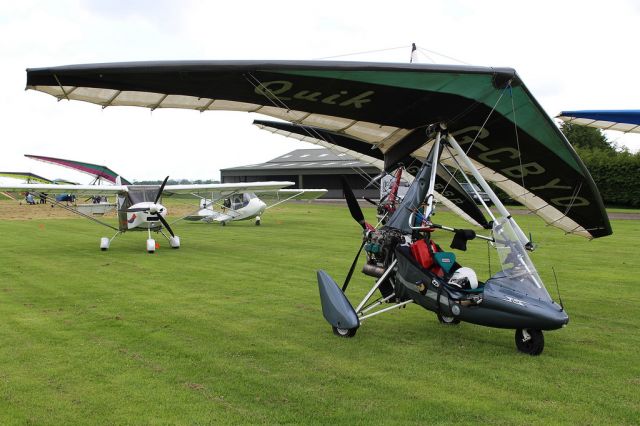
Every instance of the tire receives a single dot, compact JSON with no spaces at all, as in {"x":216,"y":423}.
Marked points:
{"x":344,"y":332}
{"x":257,"y":223}
{"x":443,"y":319}
{"x":534,"y":345}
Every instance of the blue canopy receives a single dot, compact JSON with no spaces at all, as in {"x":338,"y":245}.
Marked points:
{"x":625,"y":120}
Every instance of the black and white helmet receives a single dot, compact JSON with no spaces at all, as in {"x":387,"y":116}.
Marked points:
{"x":464,"y":278}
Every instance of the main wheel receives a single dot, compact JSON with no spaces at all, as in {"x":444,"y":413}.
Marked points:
{"x":530,"y":341}
{"x":344,"y":332}
{"x":448,"y":320}
{"x":257,"y":223}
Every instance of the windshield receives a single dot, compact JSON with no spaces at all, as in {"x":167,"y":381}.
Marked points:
{"x":515,"y":262}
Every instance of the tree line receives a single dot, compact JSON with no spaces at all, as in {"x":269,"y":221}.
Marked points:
{"x":615,"y":170}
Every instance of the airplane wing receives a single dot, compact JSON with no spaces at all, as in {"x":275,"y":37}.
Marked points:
{"x":95,"y":170}
{"x":288,"y":194}
{"x":621,"y":120}
{"x":224,"y":189}
{"x":26,"y":176}
{"x":506,"y":133}
{"x":274,"y":198}
{"x":65,"y":189}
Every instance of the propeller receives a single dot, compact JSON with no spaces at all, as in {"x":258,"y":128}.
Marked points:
{"x":153,"y":209}
{"x":159,"y":194}
{"x":166,"y":225}
{"x":356,"y":213}
{"x":352,"y":203}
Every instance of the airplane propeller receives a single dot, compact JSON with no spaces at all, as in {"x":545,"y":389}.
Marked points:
{"x":352,"y":203}
{"x":154,"y":209}
{"x":159,"y":194}
{"x":358,"y":216}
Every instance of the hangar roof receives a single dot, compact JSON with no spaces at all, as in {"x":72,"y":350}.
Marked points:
{"x":302,"y":159}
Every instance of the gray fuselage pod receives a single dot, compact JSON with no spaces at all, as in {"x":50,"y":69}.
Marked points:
{"x":498,"y":303}
{"x":335,"y":307}
{"x":502,"y":307}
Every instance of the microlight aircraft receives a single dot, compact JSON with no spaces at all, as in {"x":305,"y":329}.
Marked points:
{"x":481,"y":120}
{"x":246,"y":206}
{"x":139,"y":206}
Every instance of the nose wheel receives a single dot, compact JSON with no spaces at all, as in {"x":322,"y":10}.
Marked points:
{"x":530,"y":341}
{"x":257,"y":220}
{"x":344,"y":332}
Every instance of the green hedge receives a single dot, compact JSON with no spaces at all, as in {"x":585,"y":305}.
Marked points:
{"x":617,"y":175}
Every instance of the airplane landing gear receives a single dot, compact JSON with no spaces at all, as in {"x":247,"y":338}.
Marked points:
{"x":104,"y":243}
{"x":344,"y":332}
{"x":174,"y":242}
{"x":257,"y":220}
{"x":443,"y":319}
{"x":151,"y":245}
{"x":529,"y":341}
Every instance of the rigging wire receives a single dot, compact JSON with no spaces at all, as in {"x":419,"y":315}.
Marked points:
{"x":363,"y":52}
{"x":515,"y":126}
{"x":443,"y":55}
{"x":495,"y":105}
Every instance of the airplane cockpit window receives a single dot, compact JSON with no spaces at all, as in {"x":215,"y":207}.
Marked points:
{"x":227,"y":202}
{"x":246,"y":197}
{"x":236,"y":202}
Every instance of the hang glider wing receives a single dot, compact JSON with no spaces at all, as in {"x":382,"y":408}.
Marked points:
{"x":503,"y":129}
{"x":448,"y":190}
{"x":65,"y":189}
{"x":219,"y":190}
{"x":25,"y":176}
{"x":621,"y":120}
{"x":95,"y":170}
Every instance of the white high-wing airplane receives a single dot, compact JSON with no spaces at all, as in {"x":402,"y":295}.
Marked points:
{"x":139,"y":206}
{"x":247,"y":205}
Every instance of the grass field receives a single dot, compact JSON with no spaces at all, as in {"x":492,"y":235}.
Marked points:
{"x":228,"y":329}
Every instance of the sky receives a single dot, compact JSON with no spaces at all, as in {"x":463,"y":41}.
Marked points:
{"x":571,"y":55}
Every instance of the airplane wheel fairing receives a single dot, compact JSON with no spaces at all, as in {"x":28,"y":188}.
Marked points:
{"x":174,"y":242}
{"x":151,"y":245}
{"x":530,"y":341}
{"x":344,"y":332}
{"x":443,"y":319}
{"x":104,"y":243}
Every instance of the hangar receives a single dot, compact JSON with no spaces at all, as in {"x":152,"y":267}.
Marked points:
{"x":310,"y":169}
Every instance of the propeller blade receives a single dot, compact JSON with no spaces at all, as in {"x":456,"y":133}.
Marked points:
{"x":137,"y":209}
{"x":166,"y":225}
{"x":352,"y":203}
{"x":159,"y":194}
{"x":353,"y":267}
{"x":371,"y":201}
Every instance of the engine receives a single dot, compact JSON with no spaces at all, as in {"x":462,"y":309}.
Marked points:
{"x":379,"y":246}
